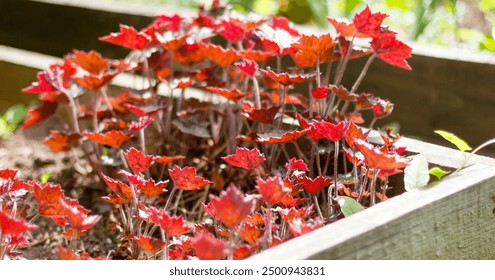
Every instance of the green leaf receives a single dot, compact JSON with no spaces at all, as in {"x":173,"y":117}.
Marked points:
{"x":416,"y":175}
{"x":400,"y":4}
{"x":438,"y":172}
{"x":350,"y":5}
{"x":486,"y":5}
{"x":45,"y":177}
{"x":349,"y":205}
{"x":452,"y":138}
{"x":16,"y":114}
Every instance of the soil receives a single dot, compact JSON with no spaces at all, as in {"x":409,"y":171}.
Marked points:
{"x":25,"y":151}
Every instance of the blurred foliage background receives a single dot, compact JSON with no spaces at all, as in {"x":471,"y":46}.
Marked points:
{"x":467,"y":24}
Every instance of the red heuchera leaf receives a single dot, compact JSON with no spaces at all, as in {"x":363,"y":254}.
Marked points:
{"x":208,"y":247}
{"x":245,"y":158}
{"x":292,"y":213}
{"x":113,"y":138}
{"x":48,"y":198}
{"x":91,"y":61}
{"x":172,"y":226}
{"x":343,"y":94}
{"x":263,"y":115}
{"x":285,"y":24}
{"x":382,"y":108}
{"x":244,"y":251}
{"x":128,"y":37}
{"x":8,"y":173}
{"x":343,"y":27}
{"x":40,"y":113}
{"x":311,"y":49}
{"x":190,"y":54}
{"x":296,"y":164}
{"x":333,"y":132}
{"x":376,"y":158}
{"x":134,"y":179}
{"x":151,"y":189}
{"x":313,"y":186}
{"x":298,"y":227}
{"x":230,"y":30}
{"x":138,"y":161}
{"x":186,"y":179}
{"x":289,"y":201}
{"x":278,"y":137}
{"x":256,"y":55}
{"x":167,"y":160}
{"x":272,"y":190}
{"x":392,"y":51}
{"x":256,"y":219}
{"x":312,"y":132}
{"x":113,"y":199}
{"x":232,"y":95}
{"x":78,"y":220}
{"x":250,"y":233}
{"x":232,"y":206}
{"x":60,"y":141}
{"x":248,"y":66}
{"x":287,"y":79}
{"x":120,"y":188}
{"x":95,"y":82}
{"x":142,"y":111}
{"x":149,"y":244}
{"x":320,"y":93}
{"x":40,"y":86}
{"x":11,"y":226}
{"x":170,"y":42}
{"x":220,"y":56}
{"x":69,"y":255}
{"x":140,"y":124}
{"x":353,"y":133}
{"x":368,"y":23}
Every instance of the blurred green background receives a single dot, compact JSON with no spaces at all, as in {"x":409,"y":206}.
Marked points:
{"x":467,"y":24}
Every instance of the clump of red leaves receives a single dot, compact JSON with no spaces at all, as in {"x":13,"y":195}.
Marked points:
{"x":219,"y":152}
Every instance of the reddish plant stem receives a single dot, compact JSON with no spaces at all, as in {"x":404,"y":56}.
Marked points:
{"x":342,"y":67}
{"x":363,"y":73}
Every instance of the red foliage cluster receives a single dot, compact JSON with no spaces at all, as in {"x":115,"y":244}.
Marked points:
{"x":277,"y":139}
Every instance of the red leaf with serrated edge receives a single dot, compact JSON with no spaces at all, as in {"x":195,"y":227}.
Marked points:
{"x":320,"y":93}
{"x":134,"y":179}
{"x":333,"y":132}
{"x":120,"y":188}
{"x":376,"y":158}
{"x":311,"y":49}
{"x":298,"y":227}
{"x":171,"y":43}
{"x":313,"y":186}
{"x":312,"y":133}
{"x":367,"y":22}
{"x":172,"y":226}
{"x":278,"y":137}
{"x":11,"y":226}
{"x":344,"y":27}
{"x":167,"y":160}
{"x":392,"y":51}
{"x":272,"y":190}
{"x":221,"y":56}
{"x":285,"y":24}
{"x":244,"y":251}
{"x":140,"y":124}
{"x":250,"y":233}
{"x":353,"y":133}
{"x":296,"y":164}
{"x":247,"y":66}
{"x":48,"y":198}
{"x":113,"y":138}
{"x":382,"y":108}
{"x":60,"y":141}
{"x":113,"y":199}
{"x":263,"y":115}
{"x":186,"y":179}
{"x":230,"y":30}
{"x":128,"y":37}
{"x":232,"y":206}
{"x":8,"y":173}
{"x":95,"y":82}
{"x":151,"y":189}
{"x":69,"y":255}
{"x":150,"y":244}
{"x":40,"y":113}
{"x":91,"y":61}
{"x":232,"y":95}
{"x":343,"y":94}
{"x":296,"y":213}
{"x":287,"y":79}
{"x":245,"y":158}
{"x":78,"y":220}
{"x":256,"y":219}
{"x":289,"y":201}
{"x":142,"y":111}
{"x":208,"y":247}
{"x":190,"y":54}
{"x":42,"y":85}
{"x":138,"y":161}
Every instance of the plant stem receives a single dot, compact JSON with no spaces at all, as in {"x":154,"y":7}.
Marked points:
{"x":268,"y":227}
{"x":373,"y":187}
{"x":363,"y":73}
{"x":256,"y":92}
{"x":336,"y":167}
{"x":165,"y":248}
{"x":343,"y":66}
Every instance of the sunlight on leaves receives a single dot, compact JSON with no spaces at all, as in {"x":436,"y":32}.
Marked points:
{"x":416,"y":175}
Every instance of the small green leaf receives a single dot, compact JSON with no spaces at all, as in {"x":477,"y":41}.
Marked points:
{"x":438,"y":172}
{"x":416,"y":175}
{"x":349,"y":205}
{"x":16,"y":114}
{"x":452,"y":138}
{"x":45,"y":177}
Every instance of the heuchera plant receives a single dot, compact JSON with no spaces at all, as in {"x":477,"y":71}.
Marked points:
{"x":219,"y":152}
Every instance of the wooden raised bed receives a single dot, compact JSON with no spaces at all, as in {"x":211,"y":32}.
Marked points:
{"x":447,"y":89}
{"x":453,"y":219}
